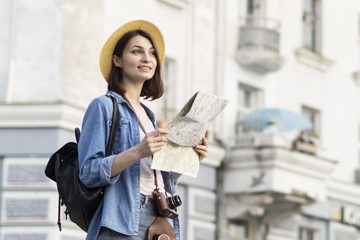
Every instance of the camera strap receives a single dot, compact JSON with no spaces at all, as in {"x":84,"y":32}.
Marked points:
{"x":160,"y":228}
{"x":143,"y":129}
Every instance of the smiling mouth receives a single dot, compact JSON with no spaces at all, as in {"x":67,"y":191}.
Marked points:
{"x":145,"y":67}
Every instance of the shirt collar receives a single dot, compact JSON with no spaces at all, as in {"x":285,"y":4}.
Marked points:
{"x":122,"y":100}
{"x":116,"y":95}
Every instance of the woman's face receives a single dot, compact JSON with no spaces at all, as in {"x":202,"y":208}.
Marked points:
{"x":138,"y":61}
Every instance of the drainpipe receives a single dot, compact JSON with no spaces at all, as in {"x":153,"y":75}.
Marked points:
{"x":266,"y":232}
{"x":220,"y":198}
{"x":327,"y":234}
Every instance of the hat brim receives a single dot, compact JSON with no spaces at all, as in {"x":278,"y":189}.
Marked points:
{"x":108,"y":48}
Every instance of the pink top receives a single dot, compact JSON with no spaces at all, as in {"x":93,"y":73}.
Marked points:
{"x":147,"y":185}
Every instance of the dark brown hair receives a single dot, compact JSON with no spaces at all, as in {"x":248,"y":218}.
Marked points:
{"x":152,"y":88}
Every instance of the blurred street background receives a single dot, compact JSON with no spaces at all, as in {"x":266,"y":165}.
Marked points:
{"x":284,"y":160}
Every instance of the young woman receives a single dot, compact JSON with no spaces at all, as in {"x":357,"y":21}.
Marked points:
{"x":130,"y":62}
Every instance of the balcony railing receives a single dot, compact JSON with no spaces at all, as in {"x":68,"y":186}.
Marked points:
{"x":262,"y":22}
{"x":258,"y":34}
{"x":259,"y":41}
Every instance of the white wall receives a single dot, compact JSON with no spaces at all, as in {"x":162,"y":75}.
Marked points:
{"x":333,"y":92}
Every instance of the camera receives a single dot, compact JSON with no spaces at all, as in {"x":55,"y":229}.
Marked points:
{"x":166,"y":206}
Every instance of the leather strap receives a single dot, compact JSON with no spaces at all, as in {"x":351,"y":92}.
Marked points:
{"x":59,"y":214}
{"x":155,"y":179}
{"x":143,"y":129}
{"x":161,"y":227}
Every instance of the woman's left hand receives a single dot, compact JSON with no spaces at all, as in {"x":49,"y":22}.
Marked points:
{"x":202,"y":149}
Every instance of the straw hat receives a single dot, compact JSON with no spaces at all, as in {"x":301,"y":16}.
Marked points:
{"x":108,"y":48}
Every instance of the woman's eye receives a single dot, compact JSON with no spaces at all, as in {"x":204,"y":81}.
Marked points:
{"x":137,"y":51}
{"x":152,"y":53}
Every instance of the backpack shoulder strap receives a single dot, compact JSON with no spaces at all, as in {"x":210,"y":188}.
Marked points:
{"x":114,"y":125}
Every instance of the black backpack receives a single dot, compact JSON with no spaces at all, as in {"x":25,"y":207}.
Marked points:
{"x":63,"y":168}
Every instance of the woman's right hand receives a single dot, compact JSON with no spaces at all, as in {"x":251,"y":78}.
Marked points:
{"x":152,"y":142}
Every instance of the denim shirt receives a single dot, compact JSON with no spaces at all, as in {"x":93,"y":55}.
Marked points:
{"x":120,"y":207}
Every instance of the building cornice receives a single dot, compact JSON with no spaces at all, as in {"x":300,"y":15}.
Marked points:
{"x":343,"y":191}
{"x":41,"y":115}
{"x":281,"y":157}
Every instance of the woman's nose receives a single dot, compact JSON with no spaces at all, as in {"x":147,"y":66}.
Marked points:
{"x":146,"y":57}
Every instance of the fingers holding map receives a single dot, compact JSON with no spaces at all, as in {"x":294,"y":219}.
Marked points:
{"x":186,"y":130}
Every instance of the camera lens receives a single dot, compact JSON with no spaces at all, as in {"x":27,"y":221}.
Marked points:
{"x":174,"y":202}
{"x":170,"y":202}
{"x":177,"y":201}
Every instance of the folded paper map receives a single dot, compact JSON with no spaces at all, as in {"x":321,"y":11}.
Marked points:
{"x":187,"y":130}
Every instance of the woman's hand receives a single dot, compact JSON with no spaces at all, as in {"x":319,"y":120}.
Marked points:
{"x":202,"y":149}
{"x":152,"y":143}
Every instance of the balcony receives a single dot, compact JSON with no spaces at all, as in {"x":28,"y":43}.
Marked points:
{"x":258,"y":48}
{"x":263,"y":172}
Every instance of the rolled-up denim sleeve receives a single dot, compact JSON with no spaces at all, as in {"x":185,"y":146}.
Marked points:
{"x":95,"y":168}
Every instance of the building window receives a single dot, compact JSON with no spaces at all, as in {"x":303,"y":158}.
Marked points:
{"x":168,"y":100}
{"x":311,"y":25}
{"x":251,"y":7}
{"x":308,"y":234}
{"x":314,"y":117}
{"x":255,"y":10}
{"x":238,"y":230}
{"x":255,"y":7}
{"x":249,"y":99}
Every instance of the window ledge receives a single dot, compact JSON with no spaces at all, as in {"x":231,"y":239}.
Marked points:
{"x":179,"y":4}
{"x":313,"y":60}
{"x":356,"y":76}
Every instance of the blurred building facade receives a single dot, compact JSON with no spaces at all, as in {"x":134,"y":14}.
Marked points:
{"x":300,"y":55}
